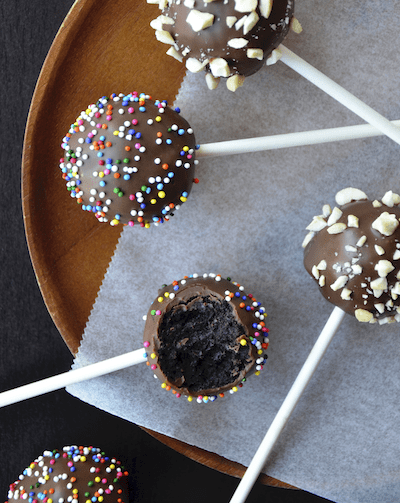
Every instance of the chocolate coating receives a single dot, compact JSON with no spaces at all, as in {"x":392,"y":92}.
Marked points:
{"x":214,"y":41}
{"x":72,"y":474}
{"x":358,"y":268}
{"x":129,"y":160}
{"x":203,"y":335}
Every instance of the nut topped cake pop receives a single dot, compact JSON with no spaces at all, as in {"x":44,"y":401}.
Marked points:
{"x":129,"y":160}
{"x":353,"y":253}
{"x":73,"y":473}
{"x":227,"y":38}
{"x":203,"y":335}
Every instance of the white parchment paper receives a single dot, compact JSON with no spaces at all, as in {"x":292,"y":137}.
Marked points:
{"x":246,"y":219}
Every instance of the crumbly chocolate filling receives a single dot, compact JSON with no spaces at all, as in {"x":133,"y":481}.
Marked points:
{"x":200,"y":344}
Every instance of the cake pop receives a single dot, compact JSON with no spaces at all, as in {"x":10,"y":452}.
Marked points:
{"x":74,"y":473}
{"x":353,"y":253}
{"x":203,"y":335}
{"x":129,"y":160}
{"x":227,"y":38}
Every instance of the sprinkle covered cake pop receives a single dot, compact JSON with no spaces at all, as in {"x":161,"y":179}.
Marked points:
{"x":129,"y":160}
{"x":231,"y":39}
{"x":353,"y":253}
{"x":203,"y":335}
{"x":72,"y":474}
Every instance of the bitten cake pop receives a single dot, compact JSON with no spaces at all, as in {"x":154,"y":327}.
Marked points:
{"x":72,"y":474}
{"x":203,"y":335}
{"x":353,"y":253}
{"x":129,"y":160}
{"x":227,"y":38}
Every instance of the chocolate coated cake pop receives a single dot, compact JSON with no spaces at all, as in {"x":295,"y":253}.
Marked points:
{"x":227,"y":38}
{"x":74,"y":473}
{"x":353,"y":253}
{"x":203,"y":335}
{"x":129,"y":160}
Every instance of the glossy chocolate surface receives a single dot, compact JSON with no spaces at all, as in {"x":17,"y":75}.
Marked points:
{"x":215,"y":41}
{"x":74,"y":473}
{"x":129,"y":160}
{"x":358,"y":268}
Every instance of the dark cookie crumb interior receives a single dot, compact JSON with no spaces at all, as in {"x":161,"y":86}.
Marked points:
{"x":199,"y":347}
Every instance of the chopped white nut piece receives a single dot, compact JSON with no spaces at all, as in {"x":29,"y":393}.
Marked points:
{"x":339,"y":283}
{"x":162,"y":4}
{"x":219,"y":67}
{"x":384,"y":267}
{"x":175,"y":54}
{"x":250,"y":21}
{"x":274,"y":57}
{"x":379,"y":250}
{"x":211,"y":81}
{"x":265,"y":7}
{"x":189,"y":3}
{"x":185,"y":51}
{"x":165,"y":37}
{"x":386,"y":223}
{"x":390,"y":199}
{"x":356,"y":269}
{"x":380,"y":308}
{"x":350,"y":248}
{"x":321,"y":281}
{"x":346,"y":294}
{"x":335,"y":215}
{"x":336,"y":228}
{"x":363,"y":315}
{"x":234,"y":82}
{"x":240,"y":23}
{"x":307,"y":239}
{"x":317,"y":224}
{"x":398,"y":275}
{"x":199,"y":20}
{"x":237,"y":43}
{"x":349,"y":194}
{"x":389,"y":304}
{"x":245,"y":5}
{"x":230,"y":21}
{"x":157,"y":23}
{"x":255,"y":54}
{"x":379,"y":284}
{"x":396,"y":255}
{"x":194,"y":65}
{"x":361,"y":242}
{"x":315,"y":272}
{"x":322,"y":265}
{"x":376,"y":204}
{"x":154,"y":2}
{"x":326,"y":210}
{"x":295,"y":25}
{"x":352,"y":221}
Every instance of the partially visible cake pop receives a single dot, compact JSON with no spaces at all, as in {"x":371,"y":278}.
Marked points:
{"x":231,"y":39}
{"x":129,"y":160}
{"x":204,"y":335}
{"x":353,"y":253}
{"x":73,"y":473}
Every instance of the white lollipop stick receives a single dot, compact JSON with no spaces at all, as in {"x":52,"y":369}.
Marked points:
{"x":72,"y":377}
{"x":338,"y":93}
{"x":247,"y":145}
{"x":288,"y":406}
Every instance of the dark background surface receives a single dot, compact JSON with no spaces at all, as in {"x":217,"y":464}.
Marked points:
{"x":31,"y":347}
